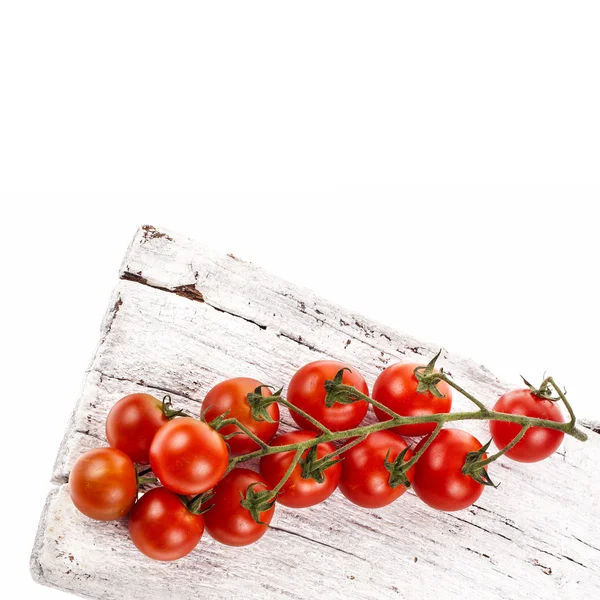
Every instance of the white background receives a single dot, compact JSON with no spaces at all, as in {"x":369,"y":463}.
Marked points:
{"x":434,"y":166}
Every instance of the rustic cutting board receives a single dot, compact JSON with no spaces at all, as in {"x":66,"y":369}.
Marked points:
{"x":183,"y":318}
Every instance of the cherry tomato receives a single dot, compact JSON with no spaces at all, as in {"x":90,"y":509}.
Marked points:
{"x":231,"y":396}
{"x":162,"y":527}
{"x":228,"y":521}
{"x":307,"y":392}
{"x":365,"y":479}
{"x":188,"y":456}
{"x":103,"y":484}
{"x":132,"y":423}
{"x":438,"y":478}
{"x":298,"y":492}
{"x":396,"y":388}
{"x":539,"y":442}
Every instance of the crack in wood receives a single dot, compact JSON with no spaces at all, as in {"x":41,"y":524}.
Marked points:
{"x":222,"y":310}
{"x":309,"y":539}
{"x":504,"y":519}
{"x":159,"y":388}
{"x":188,"y":290}
{"x":479,"y":553}
{"x":90,"y":434}
{"x":560,"y":556}
{"x":298,"y":340}
{"x":479,"y":527}
{"x":586,"y":544}
{"x":574,"y":561}
{"x":544,"y":551}
{"x":115,"y":310}
{"x":191,"y":292}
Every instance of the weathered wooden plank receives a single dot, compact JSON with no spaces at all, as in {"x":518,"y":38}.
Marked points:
{"x":183,"y":318}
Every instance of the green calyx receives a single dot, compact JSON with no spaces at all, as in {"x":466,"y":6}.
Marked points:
{"x":257,"y":502}
{"x":475,"y":467}
{"x":544,"y":391}
{"x":428,"y":378}
{"x":339,"y":393}
{"x":313,"y":467}
{"x":259,"y":403}
{"x":168,"y":410}
{"x":397,"y":469}
{"x":194,"y":505}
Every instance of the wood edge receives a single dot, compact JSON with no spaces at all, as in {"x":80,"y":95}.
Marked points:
{"x":70,"y":426}
{"x":592,"y":426}
{"x":137,"y":237}
{"x":36,"y":568}
{"x":35,"y":565}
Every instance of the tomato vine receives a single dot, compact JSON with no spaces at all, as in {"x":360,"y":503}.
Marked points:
{"x":428,"y":378}
{"x":197,"y":461}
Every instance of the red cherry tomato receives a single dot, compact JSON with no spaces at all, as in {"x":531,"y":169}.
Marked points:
{"x":307,"y":392}
{"x":298,"y":492}
{"x":162,"y":527}
{"x":365,"y":479}
{"x":188,"y":456}
{"x":396,"y":388}
{"x":231,"y":396}
{"x":103,"y":484}
{"x":228,"y":521}
{"x":539,"y":442}
{"x":132,"y":423}
{"x":438,"y":479}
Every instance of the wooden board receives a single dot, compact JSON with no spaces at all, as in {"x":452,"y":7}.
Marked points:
{"x":183,"y":318}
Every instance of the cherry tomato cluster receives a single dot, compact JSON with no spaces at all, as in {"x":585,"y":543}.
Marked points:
{"x":201,"y":487}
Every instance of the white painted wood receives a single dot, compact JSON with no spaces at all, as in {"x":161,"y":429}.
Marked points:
{"x":183,"y":318}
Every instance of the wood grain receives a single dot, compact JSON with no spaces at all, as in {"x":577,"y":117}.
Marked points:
{"x":183,"y":318}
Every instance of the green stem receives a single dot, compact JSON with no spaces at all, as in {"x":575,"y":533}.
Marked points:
{"x":562,"y":396}
{"x":439,"y":418}
{"x":304,"y":414}
{"x":289,"y":471}
{"x":482,"y":414}
{"x":466,"y":394}
{"x":243,"y":428}
{"x":194,"y":505}
{"x":146,"y":480}
{"x":426,"y":445}
{"x":351,"y":390}
{"x":343,"y":449}
{"x":493,"y":457}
